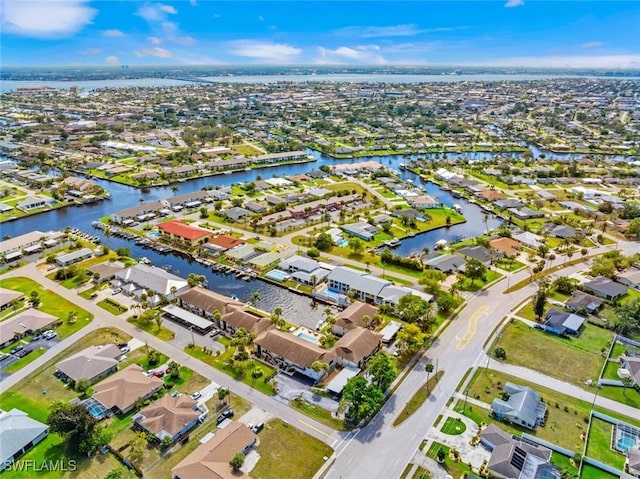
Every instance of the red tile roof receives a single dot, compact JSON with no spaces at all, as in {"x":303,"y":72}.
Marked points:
{"x":226,"y":241}
{"x":183,"y":230}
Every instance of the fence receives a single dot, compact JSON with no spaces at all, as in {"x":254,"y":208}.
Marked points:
{"x":610,"y":382}
{"x":607,"y":468}
{"x":549,"y":445}
{"x":628,"y":341}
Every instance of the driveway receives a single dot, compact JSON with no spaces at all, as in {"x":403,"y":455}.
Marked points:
{"x":9,"y":359}
{"x":295,"y":386}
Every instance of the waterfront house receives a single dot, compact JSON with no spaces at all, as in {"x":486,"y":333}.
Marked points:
{"x":205,"y":302}
{"x":522,"y":406}
{"x":93,"y":364}
{"x":142,"y":212}
{"x":210,"y":460}
{"x":424,"y":202}
{"x":74,"y":257}
{"x":169,"y":416}
{"x":31,"y":203}
{"x":480,"y":253}
{"x":18,"y":434}
{"x":251,"y":322}
{"x":222,"y":242}
{"x":353,"y":317}
{"x":142,"y":277}
{"x":508,"y":203}
{"x":176,"y":230}
{"x":525,"y":213}
{"x":119,"y":392}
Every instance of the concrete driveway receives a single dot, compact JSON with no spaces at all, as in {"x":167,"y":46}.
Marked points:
{"x":294,"y":386}
{"x":9,"y":359}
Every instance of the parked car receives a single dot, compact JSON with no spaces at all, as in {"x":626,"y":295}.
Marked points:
{"x":49,"y":334}
{"x":16,"y":349}
{"x":159,"y":373}
{"x":51,"y":267}
{"x":125,"y":349}
{"x":225,"y":414}
{"x":116,"y":291}
{"x":257,"y":428}
{"x":214,"y":333}
{"x":196,"y":395}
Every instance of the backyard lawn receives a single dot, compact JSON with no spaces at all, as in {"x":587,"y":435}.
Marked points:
{"x":288,"y":452}
{"x":52,"y":304}
{"x":570,"y":359}
{"x":599,"y":445}
{"x":239,"y":370}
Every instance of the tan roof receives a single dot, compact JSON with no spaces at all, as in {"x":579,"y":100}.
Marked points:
{"x":8,"y":295}
{"x":168,"y":414}
{"x":107,"y":269}
{"x":125,"y":387}
{"x":29,"y":320}
{"x":252,"y":322}
{"x":295,"y":349}
{"x":506,"y":245}
{"x":90,"y":362}
{"x":208,"y":300}
{"x":357,"y":344}
{"x":211,"y":459}
{"x":352,"y":316}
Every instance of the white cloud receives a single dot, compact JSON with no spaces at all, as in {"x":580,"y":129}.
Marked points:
{"x":90,"y":51}
{"x":365,"y":54}
{"x":592,"y":44}
{"x":261,"y":18}
{"x":194,"y":3}
{"x":411,"y":47}
{"x":44,"y":19}
{"x":578,"y":61}
{"x":155,"y":12}
{"x":514,"y":3}
{"x":155,"y":40}
{"x":113,"y":33}
{"x":185,"y":40}
{"x":112,"y":61}
{"x":153,"y":52}
{"x":267,"y":51}
{"x":405,"y":30}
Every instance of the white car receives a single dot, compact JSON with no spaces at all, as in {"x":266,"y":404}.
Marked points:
{"x":196,"y":395}
{"x":49,"y":334}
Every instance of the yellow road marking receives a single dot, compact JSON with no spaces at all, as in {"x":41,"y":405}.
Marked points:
{"x":472,"y":327}
{"x":316,"y":429}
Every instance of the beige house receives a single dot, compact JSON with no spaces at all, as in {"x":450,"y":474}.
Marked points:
{"x":92,"y":364}
{"x":120,"y":392}
{"x":169,"y":417}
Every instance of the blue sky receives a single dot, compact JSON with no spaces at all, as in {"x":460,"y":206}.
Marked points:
{"x":508,"y":32}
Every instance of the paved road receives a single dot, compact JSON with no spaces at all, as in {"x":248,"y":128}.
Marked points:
{"x":380,"y":450}
{"x":103,"y":318}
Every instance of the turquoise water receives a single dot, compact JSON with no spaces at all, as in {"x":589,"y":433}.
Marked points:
{"x":343,"y":243}
{"x":307,"y":337}
{"x":277,"y":275}
{"x":626,"y":442}
{"x":154,"y":234}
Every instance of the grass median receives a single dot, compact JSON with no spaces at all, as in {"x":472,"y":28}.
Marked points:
{"x":417,"y":399}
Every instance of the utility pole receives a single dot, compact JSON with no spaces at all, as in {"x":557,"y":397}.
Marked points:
{"x":193,"y":341}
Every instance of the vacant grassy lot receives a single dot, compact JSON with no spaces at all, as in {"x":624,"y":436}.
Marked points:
{"x":453,"y":426}
{"x":418,"y":399}
{"x":52,"y":304}
{"x":319,"y":414}
{"x":288,"y":452}
{"x":152,"y":328}
{"x":599,"y":444}
{"x":239,"y":370}
{"x":571,"y":359}
{"x":567,"y":417}
{"x":630,"y":396}
{"x":592,"y":472}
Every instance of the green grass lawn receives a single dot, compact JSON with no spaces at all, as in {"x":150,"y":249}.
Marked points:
{"x":599,"y":444}
{"x":571,"y":359}
{"x":75,"y":281}
{"x":467,"y":285}
{"x":418,"y":399}
{"x":453,"y":468}
{"x":611,"y":370}
{"x":240,"y":371}
{"x":453,"y":426}
{"x":630,"y":396}
{"x":52,"y":304}
{"x":510,"y":265}
{"x":152,"y":328}
{"x":592,"y":472}
{"x":288,"y":452}
{"x":319,"y":414}
{"x":188,"y":382}
{"x":22,"y":362}
{"x":567,"y":417}
{"x":112,"y":306}
{"x":142,"y":360}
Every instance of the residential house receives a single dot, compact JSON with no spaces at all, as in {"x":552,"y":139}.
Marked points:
{"x":446,"y":263}
{"x":106,"y":271}
{"x":491,"y":196}
{"x":353,"y":317}
{"x":529,"y":239}
{"x":119,"y":392}
{"x":26,"y":322}
{"x":211,"y":459}
{"x":509,"y":203}
{"x":206,"y":303}
{"x":506,"y":246}
{"x":522,"y":406}
{"x":561,"y":323}
{"x":255,"y":207}
{"x":242,"y":253}
{"x":424,"y":202}
{"x":142,"y":278}
{"x":512,"y":458}
{"x":630,"y":278}
{"x":235,"y":319}
{"x":9,"y":298}
{"x":605,"y":288}
{"x":142,"y":212}
{"x":631,"y":365}
{"x":410,"y":213}
{"x":176,"y":230}
{"x":264,"y":261}
{"x":480,"y":253}
{"x":93,"y":364}
{"x":18,"y":434}
{"x":381,"y":219}
{"x":31,"y":203}
{"x":362,"y":230}
{"x":85,"y":186}
{"x":580,"y":300}
{"x":356,"y":347}
{"x":525,"y":213}
{"x":74,"y":257}
{"x":633,"y":461}
{"x":236,"y":213}
{"x":560,"y":231}
{"x":169,"y":416}
{"x":222,"y":242}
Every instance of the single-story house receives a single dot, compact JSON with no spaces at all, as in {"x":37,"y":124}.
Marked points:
{"x":31,"y":203}
{"x":446,"y":263}
{"x":26,"y":322}
{"x":236,"y":213}
{"x":529,"y":239}
{"x":211,"y":459}
{"x":513,"y":458}
{"x":18,"y":434}
{"x":144,"y":277}
{"x":255,"y":207}
{"x":630,"y":278}
{"x":522,"y":407}
{"x":525,"y":213}
{"x":410,"y":213}
{"x":362,"y":230}
{"x":106,"y":271}
{"x":633,"y":461}
{"x":605,"y":288}
{"x":354,"y":316}
{"x":186,"y":233}
{"x":560,"y":322}
{"x":206,"y":302}
{"x":479,"y":253}
{"x":120,"y":392}
{"x":424,"y":202}
{"x":632,"y":365}
{"x":580,"y":300}
{"x":491,"y":195}
{"x":9,"y":297}
{"x":265,"y":261}
{"x":92,"y":364}
{"x":223,"y":242}
{"x":74,"y":257}
{"x":509,"y":203}
{"x":507,"y":246}
{"x":561,"y":231}
{"x":169,"y":417}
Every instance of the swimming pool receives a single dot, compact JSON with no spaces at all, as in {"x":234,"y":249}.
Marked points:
{"x":277,"y":275}
{"x":331,"y":293}
{"x":626,"y":441}
{"x":154,"y":234}
{"x":343,"y":243}
{"x":307,"y":337}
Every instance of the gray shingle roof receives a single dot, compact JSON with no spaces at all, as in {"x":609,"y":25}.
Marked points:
{"x":17,"y":429}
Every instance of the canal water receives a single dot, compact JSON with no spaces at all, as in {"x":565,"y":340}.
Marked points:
{"x":293,"y":305}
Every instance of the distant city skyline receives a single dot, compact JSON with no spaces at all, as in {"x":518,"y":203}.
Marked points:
{"x":511,"y":33}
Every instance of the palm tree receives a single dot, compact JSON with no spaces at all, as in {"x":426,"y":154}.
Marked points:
{"x":429,"y":369}
{"x":174,"y":190}
{"x":255,"y":297}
